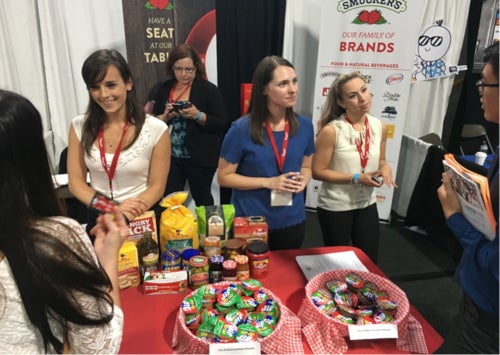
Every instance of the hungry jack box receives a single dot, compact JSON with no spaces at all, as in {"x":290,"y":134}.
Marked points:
{"x":248,"y":228}
{"x":144,"y":223}
{"x":128,"y":265}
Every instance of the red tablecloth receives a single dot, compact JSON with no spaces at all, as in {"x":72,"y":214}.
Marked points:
{"x":149,"y":320}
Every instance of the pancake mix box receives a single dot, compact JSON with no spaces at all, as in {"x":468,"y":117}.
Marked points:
{"x":143,"y":223}
{"x":248,"y":228}
{"x":128,"y":265}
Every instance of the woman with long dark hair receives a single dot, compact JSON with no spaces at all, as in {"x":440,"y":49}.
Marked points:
{"x":56,"y":290}
{"x":125,"y":151}
{"x":266,"y":155}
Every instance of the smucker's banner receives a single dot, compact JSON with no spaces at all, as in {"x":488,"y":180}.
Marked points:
{"x":377,"y":38}
{"x":154,"y":27}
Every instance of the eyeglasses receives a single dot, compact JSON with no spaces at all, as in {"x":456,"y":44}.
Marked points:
{"x":188,"y":70}
{"x":481,"y":85}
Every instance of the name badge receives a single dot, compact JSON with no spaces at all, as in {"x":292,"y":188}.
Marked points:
{"x":281,"y":198}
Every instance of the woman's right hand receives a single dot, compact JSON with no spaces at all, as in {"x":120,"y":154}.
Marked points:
{"x":284,"y":182}
{"x":110,"y":232}
{"x":168,"y":114}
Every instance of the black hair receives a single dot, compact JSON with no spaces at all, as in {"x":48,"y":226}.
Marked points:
{"x":491,"y":57}
{"x":94,"y":70}
{"x":47,"y":271}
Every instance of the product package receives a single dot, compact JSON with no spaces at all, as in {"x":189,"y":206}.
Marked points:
{"x":160,"y":282}
{"x":178,"y":227}
{"x":128,"y":265}
{"x":250,"y":228}
{"x":143,"y":223}
{"x":215,"y":221}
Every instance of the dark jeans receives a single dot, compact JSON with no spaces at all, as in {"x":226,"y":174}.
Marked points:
{"x":199,"y":178}
{"x":473,"y":331}
{"x":361,"y":227}
{"x":287,"y":238}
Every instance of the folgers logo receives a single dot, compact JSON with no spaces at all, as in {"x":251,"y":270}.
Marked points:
{"x":394,"y":79}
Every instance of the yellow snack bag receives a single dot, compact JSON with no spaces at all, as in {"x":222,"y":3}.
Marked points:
{"x":178,"y":227}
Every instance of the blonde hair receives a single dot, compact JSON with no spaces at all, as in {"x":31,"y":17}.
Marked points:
{"x":331,"y":109}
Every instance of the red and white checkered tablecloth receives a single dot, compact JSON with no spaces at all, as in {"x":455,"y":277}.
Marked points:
{"x":325,"y":335}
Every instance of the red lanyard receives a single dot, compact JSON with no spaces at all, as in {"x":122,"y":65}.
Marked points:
{"x":363,"y":155}
{"x":171,"y":95}
{"x":111,"y":171}
{"x":280,"y":158}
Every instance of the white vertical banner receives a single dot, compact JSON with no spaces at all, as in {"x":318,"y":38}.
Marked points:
{"x":378,"y":39}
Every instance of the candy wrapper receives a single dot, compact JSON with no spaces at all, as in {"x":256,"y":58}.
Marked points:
{"x":325,"y":334}
{"x":286,"y":338}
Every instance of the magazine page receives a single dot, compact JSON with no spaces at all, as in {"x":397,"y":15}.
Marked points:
{"x":483,"y":183}
{"x":474,"y":200}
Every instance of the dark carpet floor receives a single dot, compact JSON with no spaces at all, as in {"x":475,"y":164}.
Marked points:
{"x":413,"y":262}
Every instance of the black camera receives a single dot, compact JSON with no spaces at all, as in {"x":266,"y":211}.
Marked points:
{"x":180,"y":105}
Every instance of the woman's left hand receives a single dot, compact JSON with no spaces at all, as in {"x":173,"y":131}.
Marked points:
{"x":386,"y":172}
{"x":133,"y":207}
{"x":190,"y":112}
{"x":302,"y":180}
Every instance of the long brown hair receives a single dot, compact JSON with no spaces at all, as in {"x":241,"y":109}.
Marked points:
{"x":257,"y":108}
{"x":94,"y":70}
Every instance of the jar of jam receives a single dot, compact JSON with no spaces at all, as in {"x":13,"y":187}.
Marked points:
{"x":211,"y":246}
{"x":258,"y":258}
{"x":170,"y":260}
{"x":232,"y":248}
{"x":187,"y":254}
{"x":198,"y":271}
{"x":229,"y":270}
{"x":242,"y":267}
{"x":215,"y":272}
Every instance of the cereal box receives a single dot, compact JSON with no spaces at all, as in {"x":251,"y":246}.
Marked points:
{"x":252,"y":227}
{"x":128,"y":265}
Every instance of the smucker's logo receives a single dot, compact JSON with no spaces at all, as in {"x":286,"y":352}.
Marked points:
{"x":329,"y":74}
{"x":159,"y":5}
{"x":397,"y":6}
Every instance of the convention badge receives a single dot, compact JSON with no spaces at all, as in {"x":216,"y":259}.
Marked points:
{"x":281,"y":198}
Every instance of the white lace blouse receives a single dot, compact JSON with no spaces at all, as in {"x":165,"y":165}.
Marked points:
{"x":18,"y":335}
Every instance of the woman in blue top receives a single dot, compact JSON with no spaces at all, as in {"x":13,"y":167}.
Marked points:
{"x":475,"y":329}
{"x":266,"y":155}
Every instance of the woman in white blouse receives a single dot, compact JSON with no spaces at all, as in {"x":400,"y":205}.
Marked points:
{"x":56,"y":291}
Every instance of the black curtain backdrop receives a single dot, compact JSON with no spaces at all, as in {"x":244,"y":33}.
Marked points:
{"x":247,"y":31}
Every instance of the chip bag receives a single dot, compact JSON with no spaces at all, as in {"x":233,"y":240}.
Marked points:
{"x":178,"y":227}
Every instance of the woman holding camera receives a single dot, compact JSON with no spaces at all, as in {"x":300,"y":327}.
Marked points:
{"x":194,"y":110}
